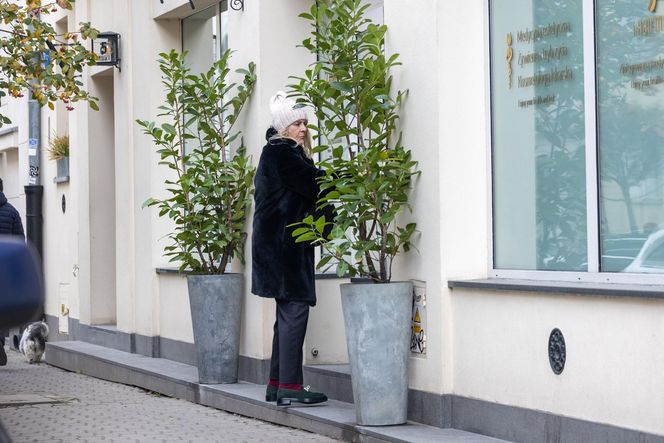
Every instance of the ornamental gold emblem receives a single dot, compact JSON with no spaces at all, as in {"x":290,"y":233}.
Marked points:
{"x":509,"y":59}
{"x":652,"y":6}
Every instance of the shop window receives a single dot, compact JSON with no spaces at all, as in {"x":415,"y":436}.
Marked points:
{"x":630,"y":117}
{"x":577,"y":138}
{"x":538,"y":135}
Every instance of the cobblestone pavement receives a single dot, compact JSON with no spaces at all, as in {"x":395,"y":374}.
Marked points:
{"x":103,"y":411}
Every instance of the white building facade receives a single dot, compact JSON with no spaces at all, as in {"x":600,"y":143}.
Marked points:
{"x":536,"y":127}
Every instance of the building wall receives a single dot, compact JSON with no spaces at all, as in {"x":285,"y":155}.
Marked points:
{"x":420,"y":117}
{"x":499,"y":340}
{"x":463,"y":168}
{"x":611,"y":374}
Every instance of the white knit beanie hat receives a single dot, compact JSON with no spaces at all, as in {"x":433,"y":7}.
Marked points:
{"x":283,"y":112}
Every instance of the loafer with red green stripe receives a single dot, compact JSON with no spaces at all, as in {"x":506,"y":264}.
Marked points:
{"x":285,"y":397}
{"x":271,"y":393}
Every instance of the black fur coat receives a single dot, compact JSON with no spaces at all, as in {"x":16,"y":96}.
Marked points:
{"x":286,"y":192}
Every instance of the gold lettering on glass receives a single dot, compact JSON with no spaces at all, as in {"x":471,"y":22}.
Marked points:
{"x":652,"y":6}
{"x":509,"y":59}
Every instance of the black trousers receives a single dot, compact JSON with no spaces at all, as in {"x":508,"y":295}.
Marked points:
{"x":289,"y":330}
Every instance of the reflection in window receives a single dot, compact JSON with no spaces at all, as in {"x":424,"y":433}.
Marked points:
{"x":630,"y":103}
{"x":199,"y":39}
{"x":223,"y":7}
{"x":656,"y":258}
{"x":650,"y":258}
{"x":375,"y":12}
{"x":538,"y":135}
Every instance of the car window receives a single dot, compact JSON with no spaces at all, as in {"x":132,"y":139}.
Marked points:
{"x":655,"y":259}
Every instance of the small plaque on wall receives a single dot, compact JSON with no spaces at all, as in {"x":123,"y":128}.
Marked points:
{"x":418,"y":336}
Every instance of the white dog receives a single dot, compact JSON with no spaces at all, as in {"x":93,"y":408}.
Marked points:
{"x":33,"y":341}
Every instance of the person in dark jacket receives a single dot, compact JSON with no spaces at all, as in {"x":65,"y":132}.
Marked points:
{"x":10,"y":220}
{"x":10,"y":224}
{"x":286,"y":192}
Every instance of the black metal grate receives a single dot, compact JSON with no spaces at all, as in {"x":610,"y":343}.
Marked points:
{"x":557,"y":351}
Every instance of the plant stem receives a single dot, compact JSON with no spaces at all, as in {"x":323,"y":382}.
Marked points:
{"x":179,"y":115}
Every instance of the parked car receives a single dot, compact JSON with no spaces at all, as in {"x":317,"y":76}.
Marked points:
{"x":619,"y":251}
{"x":650,"y":259}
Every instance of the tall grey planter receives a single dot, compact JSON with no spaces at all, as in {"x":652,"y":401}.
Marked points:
{"x":377,"y":319}
{"x":215,"y":302}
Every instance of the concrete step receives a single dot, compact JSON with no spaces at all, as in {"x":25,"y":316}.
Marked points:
{"x":334,"y":380}
{"x":335,"y":419}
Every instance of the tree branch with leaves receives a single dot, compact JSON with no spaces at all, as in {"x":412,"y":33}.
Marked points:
{"x":35,"y":58}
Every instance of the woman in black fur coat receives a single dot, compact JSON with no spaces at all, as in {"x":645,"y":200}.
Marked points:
{"x":286,"y":192}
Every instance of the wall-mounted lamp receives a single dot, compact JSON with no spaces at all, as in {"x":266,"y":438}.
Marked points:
{"x":107,"y":48}
{"x":237,"y":5}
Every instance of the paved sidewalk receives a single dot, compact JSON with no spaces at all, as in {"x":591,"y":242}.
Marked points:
{"x":93,"y":410}
{"x":335,"y":419}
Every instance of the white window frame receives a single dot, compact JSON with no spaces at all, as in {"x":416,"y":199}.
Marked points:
{"x":592,"y":275}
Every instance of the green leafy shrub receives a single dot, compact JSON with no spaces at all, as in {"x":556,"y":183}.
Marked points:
{"x":35,"y":58}
{"x":208,"y":200}
{"x":349,"y":88}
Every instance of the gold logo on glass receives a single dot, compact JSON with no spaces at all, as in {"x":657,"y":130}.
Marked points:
{"x":509,"y":59}
{"x":652,"y":6}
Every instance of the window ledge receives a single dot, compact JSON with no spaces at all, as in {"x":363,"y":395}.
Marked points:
{"x":170,"y":271}
{"x":329,"y":276}
{"x":559,"y":287}
{"x":176,"y":271}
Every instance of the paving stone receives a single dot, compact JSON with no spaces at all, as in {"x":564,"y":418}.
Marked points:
{"x":103,"y":411}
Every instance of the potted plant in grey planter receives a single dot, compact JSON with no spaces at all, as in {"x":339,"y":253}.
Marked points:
{"x":58,"y":150}
{"x":349,"y":88}
{"x":208,"y":196}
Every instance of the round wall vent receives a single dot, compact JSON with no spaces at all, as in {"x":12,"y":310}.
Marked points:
{"x":557,"y":351}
